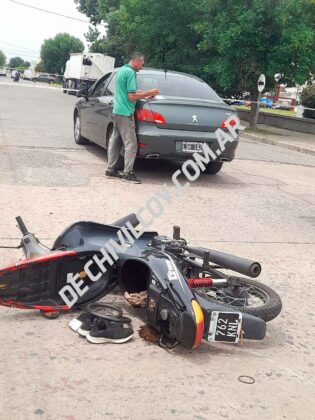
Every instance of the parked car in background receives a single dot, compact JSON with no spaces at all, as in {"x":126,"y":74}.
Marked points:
{"x":266,"y":102}
{"x":173,"y":125}
{"x":236,"y":102}
{"x":44,"y":77}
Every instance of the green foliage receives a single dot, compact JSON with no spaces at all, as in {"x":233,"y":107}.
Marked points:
{"x":308,"y":100}
{"x":27,"y":64}
{"x":226,"y":42}
{"x":163,"y":30}
{"x":90,"y":8}
{"x":56,"y":51}
{"x":2,"y":59}
{"x":249,"y":37}
{"x":16,"y":62}
{"x":39,"y":68}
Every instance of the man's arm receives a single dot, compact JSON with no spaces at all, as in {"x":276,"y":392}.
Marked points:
{"x":134,"y":96}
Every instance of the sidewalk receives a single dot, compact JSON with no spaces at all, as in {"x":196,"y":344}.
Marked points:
{"x":301,"y":142}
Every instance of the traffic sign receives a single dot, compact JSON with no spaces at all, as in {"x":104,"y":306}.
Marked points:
{"x":261,"y":82}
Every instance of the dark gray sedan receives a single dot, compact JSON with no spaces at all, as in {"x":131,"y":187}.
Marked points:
{"x":173,"y":125}
{"x":44,"y":77}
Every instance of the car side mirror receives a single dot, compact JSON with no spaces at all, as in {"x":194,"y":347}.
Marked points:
{"x":83,"y":93}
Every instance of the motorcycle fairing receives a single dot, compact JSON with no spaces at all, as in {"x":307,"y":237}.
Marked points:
{"x":37,"y":281}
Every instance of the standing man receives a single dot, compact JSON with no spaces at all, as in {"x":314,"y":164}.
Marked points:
{"x":124,"y":133}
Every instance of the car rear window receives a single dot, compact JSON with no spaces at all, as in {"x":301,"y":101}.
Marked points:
{"x":177,"y":85}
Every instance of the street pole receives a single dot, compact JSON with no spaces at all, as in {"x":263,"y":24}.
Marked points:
{"x":260,"y":87}
{"x":257,"y":111}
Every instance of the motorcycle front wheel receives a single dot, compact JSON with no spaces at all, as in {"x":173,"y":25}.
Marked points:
{"x":249,"y":296}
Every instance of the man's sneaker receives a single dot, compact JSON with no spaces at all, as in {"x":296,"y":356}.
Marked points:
{"x":131,"y":177}
{"x":87,"y":323}
{"x":110,"y":332}
{"x":76,"y":323}
{"x":113,"y":174}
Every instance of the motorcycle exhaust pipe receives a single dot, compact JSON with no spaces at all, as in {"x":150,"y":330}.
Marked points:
{"x":240,"y":265}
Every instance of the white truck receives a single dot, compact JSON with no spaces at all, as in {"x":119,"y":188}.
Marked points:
{"x":28,"y":74}
{"x":84,"y":69}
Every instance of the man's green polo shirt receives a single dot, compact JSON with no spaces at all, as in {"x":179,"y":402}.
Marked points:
{"x":125,"y":83}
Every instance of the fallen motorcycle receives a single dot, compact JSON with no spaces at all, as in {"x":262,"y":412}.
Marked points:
{"x":190,"y":295}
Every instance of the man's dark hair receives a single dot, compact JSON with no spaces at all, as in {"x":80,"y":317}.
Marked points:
{"x":137,"y":55}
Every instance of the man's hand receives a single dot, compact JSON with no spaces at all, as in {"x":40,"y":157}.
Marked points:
{"x":143,"y":95}
{"x":153,"y":92}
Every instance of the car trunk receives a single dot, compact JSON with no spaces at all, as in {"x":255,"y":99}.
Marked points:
{"x":189,"y":114}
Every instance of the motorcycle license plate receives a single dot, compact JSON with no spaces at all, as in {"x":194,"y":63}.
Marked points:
{"x":191,"y":146}
{"x":225,"y":327}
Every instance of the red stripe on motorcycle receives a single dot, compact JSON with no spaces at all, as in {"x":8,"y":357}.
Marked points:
{"x":39,"y":260}
{"x":45,"y":308}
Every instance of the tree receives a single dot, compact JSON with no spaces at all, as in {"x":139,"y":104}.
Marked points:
{"x":93,"y":9}
{"x":246,"y":38}
{"x":27,"y":64}
{"x":163,"y":30}
{"x":308,"y":100}
{"x":56,"y":51}
{"x":227,"y":43}
{"x":2,"y":59}
{"x":16,"y":62}
{"x":39,"y":68}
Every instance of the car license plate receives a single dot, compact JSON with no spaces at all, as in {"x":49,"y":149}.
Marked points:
{"x":191,"y":146}
{"x":225,"y":327}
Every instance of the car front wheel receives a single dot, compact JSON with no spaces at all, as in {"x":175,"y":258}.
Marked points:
{"x":213,"y":168}
{"x":77,"y":132}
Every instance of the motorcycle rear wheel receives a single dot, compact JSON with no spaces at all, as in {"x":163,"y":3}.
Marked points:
{"x":252,"y":297}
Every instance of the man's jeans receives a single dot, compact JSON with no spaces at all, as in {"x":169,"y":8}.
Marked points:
{"x":124,"y":133}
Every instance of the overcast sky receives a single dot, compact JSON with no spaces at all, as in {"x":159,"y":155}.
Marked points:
{"x":23,"y":30}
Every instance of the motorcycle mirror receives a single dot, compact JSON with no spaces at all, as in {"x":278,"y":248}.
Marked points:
{"x":176,"y":232}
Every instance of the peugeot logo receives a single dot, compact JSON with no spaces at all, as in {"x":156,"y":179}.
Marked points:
{"x":194,"y":119}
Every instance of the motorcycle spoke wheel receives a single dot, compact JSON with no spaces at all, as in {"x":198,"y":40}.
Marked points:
{"x":250,"y":296}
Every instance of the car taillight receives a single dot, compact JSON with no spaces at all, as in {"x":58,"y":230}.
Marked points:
{"x":199,"y":322}
{"x":232,"y":122}
{"x":149,"y":116}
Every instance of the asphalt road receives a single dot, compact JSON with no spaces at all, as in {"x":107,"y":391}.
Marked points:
{"x":261,"y":206}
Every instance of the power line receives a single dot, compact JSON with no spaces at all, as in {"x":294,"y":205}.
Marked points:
{"x":17,"y":53}
{"x":49,"y":11}
{"x":19,"y":46}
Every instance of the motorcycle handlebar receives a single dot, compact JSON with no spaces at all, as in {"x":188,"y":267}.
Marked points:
{"x":21,"y":225}
{"x":241,"y":265}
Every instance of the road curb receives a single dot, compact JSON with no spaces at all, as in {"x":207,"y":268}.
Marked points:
{"x":285,"y":145}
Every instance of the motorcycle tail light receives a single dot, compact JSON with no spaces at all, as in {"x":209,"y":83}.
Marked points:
{"x":199,"y":322}
{"x":147,"y":115}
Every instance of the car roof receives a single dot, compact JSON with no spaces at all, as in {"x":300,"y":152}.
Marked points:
{"x":149,"y":70}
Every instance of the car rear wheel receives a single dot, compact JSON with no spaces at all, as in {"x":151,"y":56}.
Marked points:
{"x":77,"y":132}
{"x":213,"y":168}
